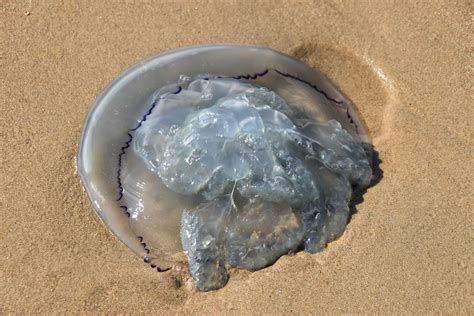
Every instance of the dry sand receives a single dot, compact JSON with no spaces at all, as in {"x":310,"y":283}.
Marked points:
{"x":407,"y":68}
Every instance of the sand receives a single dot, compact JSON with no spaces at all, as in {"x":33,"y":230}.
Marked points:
{"x":406,"y":66}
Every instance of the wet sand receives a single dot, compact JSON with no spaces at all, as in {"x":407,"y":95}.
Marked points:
{"x":408,"y":248}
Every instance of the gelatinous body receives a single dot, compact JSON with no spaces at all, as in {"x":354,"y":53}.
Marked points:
{"x":265,"y":179}
{"x":236,"y":169}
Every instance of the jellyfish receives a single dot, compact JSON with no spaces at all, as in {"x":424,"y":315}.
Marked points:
{"x":223,"y":157}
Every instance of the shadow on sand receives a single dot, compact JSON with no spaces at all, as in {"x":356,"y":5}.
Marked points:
{"x":358,"y":194}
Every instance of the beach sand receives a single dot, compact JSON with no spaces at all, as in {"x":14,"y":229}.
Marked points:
{"x":405,"y":66}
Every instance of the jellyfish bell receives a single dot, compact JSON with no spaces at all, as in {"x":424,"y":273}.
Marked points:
{"x":232,"y":154}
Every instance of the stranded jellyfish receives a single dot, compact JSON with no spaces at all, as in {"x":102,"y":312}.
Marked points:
{"x":223,"y":156}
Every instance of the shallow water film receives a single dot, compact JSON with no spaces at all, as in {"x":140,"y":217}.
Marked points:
{"x":240,"y":175}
